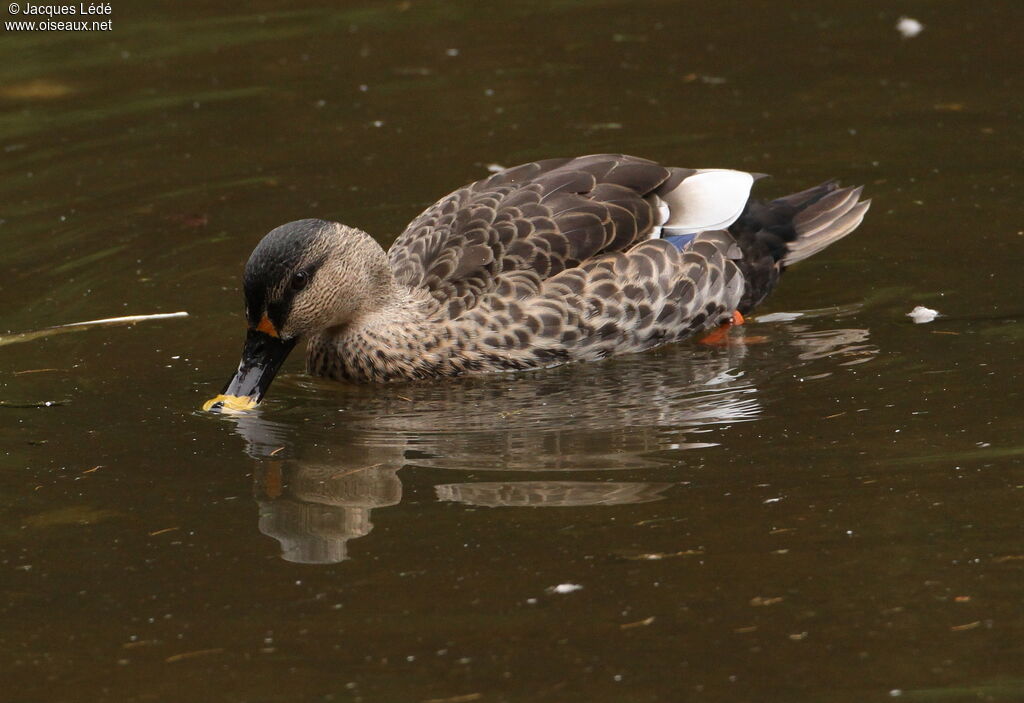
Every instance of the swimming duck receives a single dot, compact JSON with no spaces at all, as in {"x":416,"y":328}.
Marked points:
{"x":572,"y":259}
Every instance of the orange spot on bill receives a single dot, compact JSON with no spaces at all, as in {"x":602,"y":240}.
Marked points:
{"x":267,"y":327}
{"x":737,"y":317}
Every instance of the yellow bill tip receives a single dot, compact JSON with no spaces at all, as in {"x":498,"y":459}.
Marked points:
{"x":230,"y":403}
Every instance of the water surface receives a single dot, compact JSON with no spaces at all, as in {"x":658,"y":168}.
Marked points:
{"x":826,"y":509}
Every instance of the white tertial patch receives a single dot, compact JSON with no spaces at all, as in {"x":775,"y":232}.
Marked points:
{"x":712,"y":198}
{"x":663,"y":213}
{"x":921,"y":314}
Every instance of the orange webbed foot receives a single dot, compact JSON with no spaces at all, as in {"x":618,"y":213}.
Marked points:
{"x":720,"y":335}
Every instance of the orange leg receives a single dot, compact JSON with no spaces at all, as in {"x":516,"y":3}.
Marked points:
{"x":719,"y":335}
{"x":272,"y":480}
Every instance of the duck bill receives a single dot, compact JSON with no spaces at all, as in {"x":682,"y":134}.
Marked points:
{"x":262,"y":356}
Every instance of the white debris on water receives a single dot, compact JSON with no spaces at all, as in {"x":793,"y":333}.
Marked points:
{"x":909,"y":27}
{"x":779,"y":317}
{"x":921,"y":314}
{"x":563,"y":588}
{"x":495,"y":168}
{"x":724,"y":377}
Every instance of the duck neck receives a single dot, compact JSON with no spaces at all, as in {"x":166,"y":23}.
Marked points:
{"x":398,"y":340}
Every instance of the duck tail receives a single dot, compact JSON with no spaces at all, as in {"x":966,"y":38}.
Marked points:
{"x":772,"y":235}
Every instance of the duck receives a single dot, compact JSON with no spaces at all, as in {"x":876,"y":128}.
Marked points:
{"x":551,"y":262}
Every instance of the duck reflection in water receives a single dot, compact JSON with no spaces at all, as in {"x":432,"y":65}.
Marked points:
{"x":313,"y":508}
{"x":316,"y":492}
{"x":313,"y":511}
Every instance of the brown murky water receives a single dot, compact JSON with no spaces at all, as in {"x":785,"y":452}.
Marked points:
{"x":828,"y":509}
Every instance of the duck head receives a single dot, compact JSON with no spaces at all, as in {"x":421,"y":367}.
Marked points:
{"x":303,"y":277}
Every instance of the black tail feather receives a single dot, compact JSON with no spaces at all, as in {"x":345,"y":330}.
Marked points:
{"x":774,"y":234}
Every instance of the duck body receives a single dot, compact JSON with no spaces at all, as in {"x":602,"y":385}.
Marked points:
{"x":546,"y":263}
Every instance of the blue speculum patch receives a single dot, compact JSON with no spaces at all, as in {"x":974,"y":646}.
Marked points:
{"x":679,"y":241}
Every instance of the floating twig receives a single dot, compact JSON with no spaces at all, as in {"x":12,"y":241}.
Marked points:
{"x":163,"y":531}
{"x":40,"y":404}
{"x":88,"y":324}
{"x":639,"y":623}
{"x":190,"y":655}
{"x":967,"y":626}
{"x":456,"y":699}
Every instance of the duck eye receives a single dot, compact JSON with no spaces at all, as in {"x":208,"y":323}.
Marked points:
{"x":300,"y":280}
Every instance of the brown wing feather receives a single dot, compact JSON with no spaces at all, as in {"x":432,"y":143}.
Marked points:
{"x":543,"y":217}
